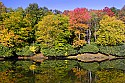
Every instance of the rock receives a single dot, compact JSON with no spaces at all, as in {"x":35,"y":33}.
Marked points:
{"x":94,"y":57}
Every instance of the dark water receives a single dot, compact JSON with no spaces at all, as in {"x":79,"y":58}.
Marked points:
{"x":62,"y":71}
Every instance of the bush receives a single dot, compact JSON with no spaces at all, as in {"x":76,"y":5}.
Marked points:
{"x":25,"y":51}
{"x":64,"y":50}
{"x":89,"y":49}
{"x":5,"y":51}
{"x":113,"y":50}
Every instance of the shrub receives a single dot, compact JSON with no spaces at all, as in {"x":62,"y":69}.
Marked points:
{"x":5,"y":51}
{"x":25,"y":51}
{"x":113,"y":50}
{"x":89,"y":49}
{"x":64,"y":50}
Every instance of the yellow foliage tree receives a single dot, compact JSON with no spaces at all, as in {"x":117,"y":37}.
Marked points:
{"x":111,"y":31}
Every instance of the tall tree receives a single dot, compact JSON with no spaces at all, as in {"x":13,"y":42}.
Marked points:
{"x":2,"y":8}
{"x":115,"y":10}
{"x":121,"y":14}
{"x":96,"y":16}
{"x":108,"y":11}
{"x":111,"y":31}
{"x":15,"y":29}
{"x":79,"y":19}
{"x":53,"y":30}
{"x":36,"y":12}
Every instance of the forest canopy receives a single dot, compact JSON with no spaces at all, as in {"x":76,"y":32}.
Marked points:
{"x":60,"y":31}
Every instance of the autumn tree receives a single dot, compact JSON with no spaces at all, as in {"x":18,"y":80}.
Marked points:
{"x":96,"y":16}
{"x":111,"y":31}
{"x":15,"y":29}
{"x":108,"y":11}
{"x":66,"y":12}
{"x":52,"y":30}
{"x":2,"y":8}
{"x":79,"y":19}
{"x":121,"y":14}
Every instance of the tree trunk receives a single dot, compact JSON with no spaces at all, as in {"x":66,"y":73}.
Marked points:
{"x":79,"y":36}
{"x":90,"y":77}
{"x":95,"y":37}
{"x":89,"y":36}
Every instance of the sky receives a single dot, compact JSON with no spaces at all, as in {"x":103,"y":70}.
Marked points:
{"x":66,"y":4}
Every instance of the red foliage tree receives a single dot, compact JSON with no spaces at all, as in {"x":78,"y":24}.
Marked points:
{"x":108,"y":11}
{"x":79,"y":19}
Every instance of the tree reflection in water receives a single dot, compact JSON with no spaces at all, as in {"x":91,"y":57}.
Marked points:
{"x":61,"y":71}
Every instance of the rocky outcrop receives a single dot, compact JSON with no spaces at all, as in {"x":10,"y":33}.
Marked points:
{"x":87,"y":57}
{"x":37,"y":57}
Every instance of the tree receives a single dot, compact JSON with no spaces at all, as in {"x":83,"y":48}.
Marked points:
{"x":56,"y":11}
{"x":15,"y":29}
{"x":115,"y":10}
{"x":2,"y":8}
{"x":121,"y":14}
{"x":107,"y":11}
{"x":66,"y":12}
{"x":111,"y":31}
{"x":96,"y":16}
{"x":79,"y":19}
{"x":52,"y":30}
{"x":36,"y":13}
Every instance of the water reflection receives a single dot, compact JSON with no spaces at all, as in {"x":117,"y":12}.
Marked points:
{"x":62,"y":71}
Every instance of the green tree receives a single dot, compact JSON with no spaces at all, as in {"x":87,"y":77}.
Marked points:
{"x":53,"y":30}
{"x":111,"y":31}
{"x":36,"y":12}
{"x":96,"y":16}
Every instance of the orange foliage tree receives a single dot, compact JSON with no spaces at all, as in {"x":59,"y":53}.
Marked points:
{"x":79,"y":19}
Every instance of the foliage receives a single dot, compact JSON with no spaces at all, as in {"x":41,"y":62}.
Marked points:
{"x":108,"y":11}
{"x":89,"y":66}
{"x":78,"y":21}
{"x":111,"y":31}
{"x":114,"y":50}
{"x":89,"y":49}
{"x":115,"y":10}
{"x":5,"y":65}
{"x":78,"y":43}
{"x":2,"y":8}
{"x":5,"y":51}
{"x":114,"y":64}
{"x":96,"y":16}
{"x":52,"y":30}
{"x":121,"y":15}
{"x":35,"y":12}
{"x":110,"y":76}
{"x":64,"y":50}
{"x":25,"y":51}
{"x":15,"y":29}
